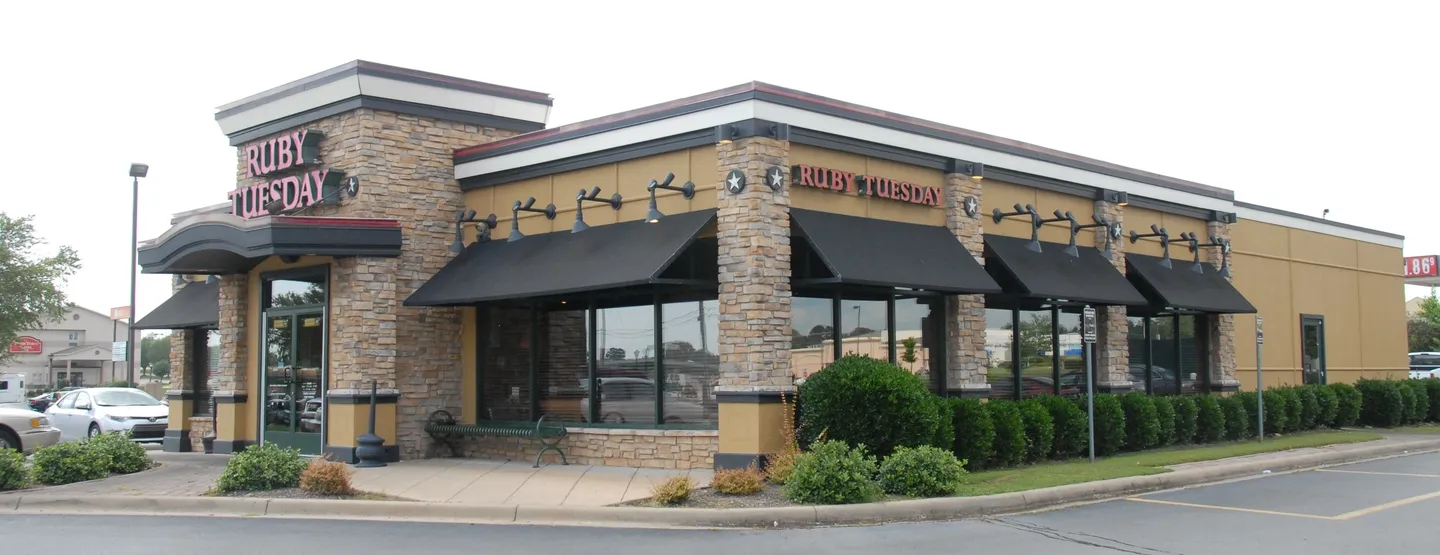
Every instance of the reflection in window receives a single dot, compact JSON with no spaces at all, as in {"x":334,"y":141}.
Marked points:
{"x":625,"y":365}
{"x":505,"y":381}
{"x":564,"y":370}
{"x":1165,"y":357}
{"x":863,"y":328}
{"x":297,"y":292}
{"x":1192,"y":368}
{"x":1139,"y":354}
{"x":1037,"y":368}
{"x":206,"y":364}
{"x":691,"y":361}
{"x":812,"y":334}
{"x":911,"y":319}
{"x":1071,"y":354}
{"x":999,"y":339}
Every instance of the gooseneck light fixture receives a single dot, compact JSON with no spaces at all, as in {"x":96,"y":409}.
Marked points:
{"x":482,"y":234}
{"x":1216,"y":243}
{"x":1193,"y":244}
{"x":1156,"y":231}
{"x":1035,"y":222}
{"x":1066,"y":217}
{"x":592,"y":196}
{"x":1112,"y":232}
{"x":527,"y":206}
{"x":688,"y":190}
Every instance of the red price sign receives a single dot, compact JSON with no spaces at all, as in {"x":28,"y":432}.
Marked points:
{"x":1422,"y":266}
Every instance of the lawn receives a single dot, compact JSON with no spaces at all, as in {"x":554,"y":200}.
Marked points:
{"x":1417,"y":429}
{"x":1140,"y":464}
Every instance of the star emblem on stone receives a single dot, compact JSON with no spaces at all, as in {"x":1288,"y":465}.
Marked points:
{"x":735,"y":182}
{"x":972,"y":207}
{"x":777,"y":178}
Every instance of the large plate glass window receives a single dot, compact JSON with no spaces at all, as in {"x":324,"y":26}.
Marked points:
{"x":293,"y":365}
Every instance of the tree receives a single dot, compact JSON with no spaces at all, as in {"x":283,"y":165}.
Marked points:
{"x":155,"y":355}
{"x":1425,"y":326}
{"x":615,"y":353}
{"x":30,"y":284}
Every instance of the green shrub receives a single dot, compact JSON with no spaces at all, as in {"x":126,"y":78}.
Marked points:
{"x":262,"y":467}
{"x":69,"y":462}
{"x":1009,"y":434}
{"x":1142,"y":427}
{"x":13,"y":473}
{"x":1210,"y":421}
{"x":1275,"y":411}
{"x":861,"y":400}
{"x":1327,"y":404}
{"x":1293,"y":409}
{"x":1039,"y":430}
{"x":1109,"y":424}
{"x":125,"y":456}
{"x":1187,"y":418}
{"x":974,"y":432}
{"x":1309,"y":407}
{"x":1381,"y":403}
{"x":1237,"y":421}
{"x":833,"y":473}
{"x":1432,"y":393}
{"x":922,"y":472}
{"x":1420,"y":406}
{"x":1407,"y":403}
{"x":1072,"y":433}
{"x":944,"y":422}
{"x":1165,"y":416}
{"x":1347,"y":404}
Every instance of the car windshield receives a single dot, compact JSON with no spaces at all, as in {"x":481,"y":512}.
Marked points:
{"x":124,"y":398}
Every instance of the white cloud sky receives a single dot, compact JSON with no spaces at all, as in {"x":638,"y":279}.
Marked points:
{"x":1301,"y":106}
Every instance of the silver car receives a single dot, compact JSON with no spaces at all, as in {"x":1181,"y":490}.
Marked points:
{"x":86,"y":413}
{"x":25,"y":430}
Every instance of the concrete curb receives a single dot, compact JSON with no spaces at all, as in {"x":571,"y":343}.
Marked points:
{"x":910,"y":510}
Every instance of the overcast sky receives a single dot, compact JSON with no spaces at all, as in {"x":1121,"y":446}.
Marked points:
{"x":1298,"y":105}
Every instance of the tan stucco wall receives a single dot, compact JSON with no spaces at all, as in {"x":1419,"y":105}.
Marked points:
{"x":1005,"y":196}
{"x":1140,"y":219}
{"x":1355,"y":285}
{"x":849,"y":203}
{"x":630,"y":178}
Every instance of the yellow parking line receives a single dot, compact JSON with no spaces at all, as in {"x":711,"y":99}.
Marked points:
{"x":1378,"y":473}
{"x":1384,"y":506}
{"x":1221,"y":508}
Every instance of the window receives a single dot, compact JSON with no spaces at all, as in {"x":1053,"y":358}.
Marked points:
{"x":206,"y":353}
{"x":1172,"y":352}
{"x":1036,"y":362}
{"x":1192,"y":367}
{"x":68,"y":401}
{"x":626,"y":364}
{"x":82,"y":401}
{"x":505,"y":364}
{"x":1139,"y":342}
{"x":812,"y":334}
{"x":4,"y":385}
{"x":564,"y":367}
{"x":1000,"y":352}
{"x":690,"y":361}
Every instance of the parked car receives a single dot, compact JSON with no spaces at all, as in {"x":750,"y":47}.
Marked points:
{"x":25,"y":430}
{"x":89,"y":412}
{"x":1425,"y":365}
{"x":43,"y":401}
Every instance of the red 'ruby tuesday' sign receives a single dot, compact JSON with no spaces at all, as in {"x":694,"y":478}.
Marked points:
{"x":865,"y":185}
{"x":1422,"y":266}
{"x":26,"y":345}
{"x":296,"y":153}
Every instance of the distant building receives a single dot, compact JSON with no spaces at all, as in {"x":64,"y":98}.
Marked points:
{"x":74,"y":350}
{"x":1412,"y":306}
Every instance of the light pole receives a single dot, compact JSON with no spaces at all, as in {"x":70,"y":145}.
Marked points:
{"x":137,"y":171}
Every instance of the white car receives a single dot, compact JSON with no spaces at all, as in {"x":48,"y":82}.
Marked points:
{"x":25,"y":430}
{"x":1424,"y":365}
{"x":86,"y":413}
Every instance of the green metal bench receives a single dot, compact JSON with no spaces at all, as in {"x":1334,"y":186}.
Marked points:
{"x":442,"y":426}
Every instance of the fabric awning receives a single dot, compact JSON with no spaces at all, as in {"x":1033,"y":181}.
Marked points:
{"x":1054,"y":275}
{"x":1180,"y":287}
{"x":602,"y":257}
{"x":196,"y":305}
{"x":866,"y":251}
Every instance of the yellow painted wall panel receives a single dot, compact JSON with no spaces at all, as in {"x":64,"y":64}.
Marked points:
{"x":1383,"y":330}
{"x":1139,"y":220}
{"x":1250,"y":236}
{"x":1266,"y":284}
{"x":1308,"y":246}
{"x":1380,"y":258}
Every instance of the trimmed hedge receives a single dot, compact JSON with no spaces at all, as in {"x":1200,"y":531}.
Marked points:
{"x":1211,"y":420}
{"x":1276,"y":415}
{"x":1381,"y":403}
{"x":1328,"y":403}
{"x":1309,"y":407}
{"x":1039,"y":430}
{"x":945,"y":424}
{"x":1347,"y":406}
{"x":1419,"y":406}
{"x":1187,"y":422}
{"x":1109,"y":424}
{"x":974,"y":433}
{"x":1237,"y":421}
{"x":1293,"y":409}
{"x":1009,"y":433}
{"x":1070,"y":427}
{"x":865,"y":401}
{"x":1432,"y":392}
{"x":1142,"y":426}
{"x":1407,"y":402}
{"x":1165,"y":416}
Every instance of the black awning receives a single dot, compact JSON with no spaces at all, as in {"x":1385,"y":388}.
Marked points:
{"x":1054,"y":275}
{"x":1181,"y":287}
{"x":197,"y":305}
{"x":865,"y":251}
{"x":225,"y":244}
{"x":602,"y":257}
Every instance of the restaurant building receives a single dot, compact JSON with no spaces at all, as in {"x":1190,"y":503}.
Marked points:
{"x":657,"y":279}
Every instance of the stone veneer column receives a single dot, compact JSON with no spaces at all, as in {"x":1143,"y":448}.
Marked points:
{"x":181,"y":394}
{"x":1221,"y":326}
{"x":753,"y":232}
{"x":232,"y":414}
{"x":966,"y":362}
{"x":1112,"y":341}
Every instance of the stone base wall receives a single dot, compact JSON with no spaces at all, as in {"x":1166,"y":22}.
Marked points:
{"x":670,"y":449}
{"x":200,"y":426}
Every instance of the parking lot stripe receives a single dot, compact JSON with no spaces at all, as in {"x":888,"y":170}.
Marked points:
{"x":1222,"y":508}
{"x":1390,"y":505}
{"x":1378,"y":473}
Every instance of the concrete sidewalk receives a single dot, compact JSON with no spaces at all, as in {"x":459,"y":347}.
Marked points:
{"x":481,"y":482}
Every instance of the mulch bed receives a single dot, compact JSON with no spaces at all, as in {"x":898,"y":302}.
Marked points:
{"x":297,"y":493}
{"x":707,"y":498}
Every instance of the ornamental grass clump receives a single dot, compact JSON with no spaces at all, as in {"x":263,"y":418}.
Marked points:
{"x":327,"y":477}
{"x":738,"y":481}
{"x":673,"y":491}
{"x":779,"y":465}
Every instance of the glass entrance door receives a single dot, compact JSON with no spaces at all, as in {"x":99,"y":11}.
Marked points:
{"x":1312,"y":349}
{"x":294,"y":381}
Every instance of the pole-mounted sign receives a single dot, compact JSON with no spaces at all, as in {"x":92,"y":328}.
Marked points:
{"x":1088,"y":330}
{"x":1259,"y":380}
